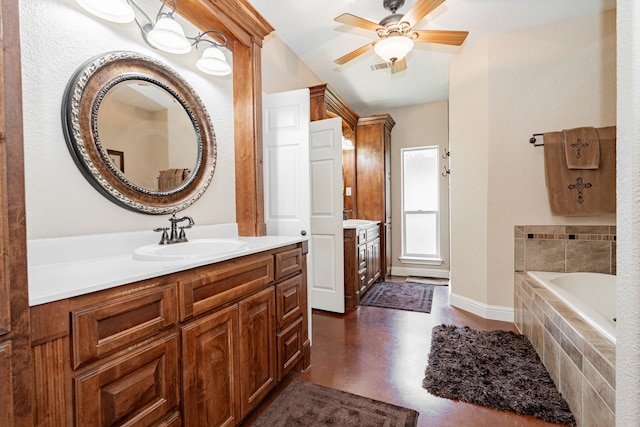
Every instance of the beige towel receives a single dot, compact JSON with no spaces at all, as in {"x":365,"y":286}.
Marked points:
{"x":582,"y":148}
{"x":171,"y":178}
{"x":581,"y":192}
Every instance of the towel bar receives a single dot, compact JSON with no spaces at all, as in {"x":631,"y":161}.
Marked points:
{"x":533,"y":140}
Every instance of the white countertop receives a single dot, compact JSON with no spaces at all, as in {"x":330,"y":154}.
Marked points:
{"x":66,"y":267}
{"x":358,"y":223}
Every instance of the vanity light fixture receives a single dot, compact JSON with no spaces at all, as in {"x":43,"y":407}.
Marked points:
{"x":166,"y":33}
{"x":115,"y":11}
{"x":212,"y":60}
{"x":347,"y":144}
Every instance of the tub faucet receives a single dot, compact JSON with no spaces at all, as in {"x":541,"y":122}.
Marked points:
{"x":175,"y":236}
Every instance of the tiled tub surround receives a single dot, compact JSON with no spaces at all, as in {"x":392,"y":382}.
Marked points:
{"x":565,"y":248}
{"x":579,"y":359}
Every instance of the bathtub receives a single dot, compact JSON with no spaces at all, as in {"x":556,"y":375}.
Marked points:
{"x":590,"y":295}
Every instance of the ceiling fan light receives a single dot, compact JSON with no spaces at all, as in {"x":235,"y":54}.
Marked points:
{"x":393,"y":48}
{"x":168,"y":35}
{"x":118,"y":11}
{"x":213,"y":62}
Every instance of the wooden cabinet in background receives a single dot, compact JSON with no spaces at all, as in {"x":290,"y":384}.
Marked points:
{"x":373,"y":178}
{"x":361,"y":262}
{"x":201,"y":347}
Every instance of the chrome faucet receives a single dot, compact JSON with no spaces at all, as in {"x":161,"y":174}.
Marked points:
{"x":175,"y":236}
{"x":344,"y":213}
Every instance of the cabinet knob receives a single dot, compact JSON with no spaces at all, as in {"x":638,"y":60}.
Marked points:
{"x":303,"y":232}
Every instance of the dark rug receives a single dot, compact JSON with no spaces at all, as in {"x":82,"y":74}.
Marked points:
{"x":400,"y":296}
{"x":427,"y":280}
{"x":497,"y":369}
{"x":306,"y":404}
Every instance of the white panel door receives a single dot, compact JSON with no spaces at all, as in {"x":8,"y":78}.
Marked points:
{"x":286,"y":162}
{"x":326,"y":289}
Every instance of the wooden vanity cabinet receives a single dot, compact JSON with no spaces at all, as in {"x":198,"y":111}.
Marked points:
{"x":373,"y":167}
{"x":362,"y":262}
{"x":196,"y":348}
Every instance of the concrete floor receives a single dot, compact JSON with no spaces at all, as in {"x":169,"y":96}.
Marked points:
{"x":382,"y":354}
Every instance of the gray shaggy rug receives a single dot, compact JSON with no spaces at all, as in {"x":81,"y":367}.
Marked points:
{"x":497,"y":369}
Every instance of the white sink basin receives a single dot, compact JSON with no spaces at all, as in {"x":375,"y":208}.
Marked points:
{"x":197,"y":248}
{"x":355,"y":223}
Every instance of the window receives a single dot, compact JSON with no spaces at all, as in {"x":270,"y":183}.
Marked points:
{"x":420,"y":205}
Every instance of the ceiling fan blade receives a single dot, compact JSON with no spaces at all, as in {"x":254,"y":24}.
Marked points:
{"x":454,"y":38}
{"x":399,"y":66}
{"x":356,"y":21}
{"x":395,"y":68}
{"x":379,"y":66}
{"x":419,"y":10}
{"x":351,"y":55}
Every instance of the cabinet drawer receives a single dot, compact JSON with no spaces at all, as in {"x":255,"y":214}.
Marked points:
{"x":362,"y":257}
{"x":373,"y":232}
{"x":288,"y":301}
{"x":290,"y":343}
{"x":223,"y":283}
{"x":172,"y":420}
{"x":102,"y":329}
{"x":288,"y":263}
{"x":137,"y":389}
{"x":362,"y":236}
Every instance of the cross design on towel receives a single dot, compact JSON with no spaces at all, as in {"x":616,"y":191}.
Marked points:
{"x":579,"y":145}
{"x":579,"y":185}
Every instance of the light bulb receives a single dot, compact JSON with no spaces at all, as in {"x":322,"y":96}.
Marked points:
{"x":213,"y":62}
{"x":168,"y":35}
{"x":113,"y":10}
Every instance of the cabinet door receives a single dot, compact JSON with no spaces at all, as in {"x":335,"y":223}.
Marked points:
{"x":210,"y":368}
{"x":373,"y":261}
{"x":257,"y":348}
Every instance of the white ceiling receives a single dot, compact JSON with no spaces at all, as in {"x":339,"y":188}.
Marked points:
{"x":307,"y":27}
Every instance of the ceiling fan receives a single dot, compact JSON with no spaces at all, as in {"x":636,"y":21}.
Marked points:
{"x":396,"y":34}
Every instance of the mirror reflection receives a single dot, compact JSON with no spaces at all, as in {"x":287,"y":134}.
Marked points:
{"x":143,"y":124}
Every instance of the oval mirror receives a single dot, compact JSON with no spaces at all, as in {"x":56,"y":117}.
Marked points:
{"x":139,"y":133}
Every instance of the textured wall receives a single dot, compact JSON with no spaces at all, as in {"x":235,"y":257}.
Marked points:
{"x":282,"y":69}
{"x":56,"y":38}
{"x":548,"y":78}
{"x":628,"y":190}
{"x":419,"y":126}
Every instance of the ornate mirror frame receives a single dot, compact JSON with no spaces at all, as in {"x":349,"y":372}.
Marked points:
{"x":80,"y":105}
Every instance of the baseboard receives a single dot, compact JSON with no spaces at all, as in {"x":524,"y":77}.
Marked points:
{"x":421,"y":272}
{"x":492,"y":312}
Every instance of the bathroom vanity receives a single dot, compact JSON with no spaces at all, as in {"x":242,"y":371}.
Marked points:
{"x":200,"y":344}
{"x":362,"y":262}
